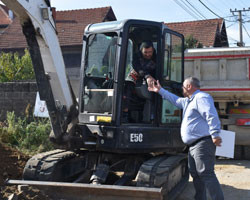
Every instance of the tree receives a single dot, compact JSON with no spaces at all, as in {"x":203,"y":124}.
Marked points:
{"x":15,"y":68}
{"x":191,"y":43}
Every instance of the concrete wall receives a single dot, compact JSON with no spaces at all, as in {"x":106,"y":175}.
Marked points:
{"x":16,"y":97}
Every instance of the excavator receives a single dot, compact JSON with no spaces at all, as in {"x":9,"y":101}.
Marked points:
{"x":99,"y":155}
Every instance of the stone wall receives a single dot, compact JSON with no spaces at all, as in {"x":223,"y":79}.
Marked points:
{"x":16,"y":96}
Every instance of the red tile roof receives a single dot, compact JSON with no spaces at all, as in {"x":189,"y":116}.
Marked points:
{"x":203,"y":30}
{"x":71,"y":24}
{"x":4,"y":18}
{"x":70,"y":27}
{"x":13,"y":36}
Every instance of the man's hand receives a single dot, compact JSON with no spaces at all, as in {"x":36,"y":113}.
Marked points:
{"x":150,"y":79}
{"x":217,"y":141}
{"x":154,"y":86}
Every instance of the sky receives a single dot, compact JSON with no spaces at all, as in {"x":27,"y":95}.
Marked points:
{"x":173,"y":11}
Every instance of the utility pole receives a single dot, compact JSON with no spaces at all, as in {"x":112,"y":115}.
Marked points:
{"x":241,"y":43}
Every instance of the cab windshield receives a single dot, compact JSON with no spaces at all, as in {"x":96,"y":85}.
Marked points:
{"x":99,"y":73}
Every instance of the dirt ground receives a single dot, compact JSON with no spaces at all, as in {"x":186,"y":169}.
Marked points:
{"x":234,"y":176}
{"x":11,"y":167}
{"x":12,"y":163}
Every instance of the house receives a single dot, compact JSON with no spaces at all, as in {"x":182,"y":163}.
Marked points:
{"x":210,"y":32}
{"x":70,"y":27}
{"x":5,"y":19}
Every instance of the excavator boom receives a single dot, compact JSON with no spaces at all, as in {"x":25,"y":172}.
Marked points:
{"x":40,"y":32}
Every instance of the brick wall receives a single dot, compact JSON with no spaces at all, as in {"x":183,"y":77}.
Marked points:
{"x":16,"y":97}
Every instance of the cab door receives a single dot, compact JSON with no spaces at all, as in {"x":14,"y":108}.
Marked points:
{"x":172,"y":75}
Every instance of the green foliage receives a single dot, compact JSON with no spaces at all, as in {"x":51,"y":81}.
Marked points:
{"x":104,"y":70}
{"x":29,"y":136}
{"x":15,"y":68}
{"x":98,"y":72}
{"x":191,"y":43}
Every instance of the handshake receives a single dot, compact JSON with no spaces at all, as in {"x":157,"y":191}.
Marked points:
{"x":153,"y":85}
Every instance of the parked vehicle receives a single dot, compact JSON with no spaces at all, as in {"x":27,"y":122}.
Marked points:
{"x":225,"y":74}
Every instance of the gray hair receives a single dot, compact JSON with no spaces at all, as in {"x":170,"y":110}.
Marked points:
{"x":193,"y":81}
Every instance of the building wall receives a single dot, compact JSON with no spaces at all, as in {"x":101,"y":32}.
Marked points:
{"x":16,"y":97}
{"x":72,"y":58}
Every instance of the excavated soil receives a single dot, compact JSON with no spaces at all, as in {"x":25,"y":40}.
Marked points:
{"x":12,"y":163}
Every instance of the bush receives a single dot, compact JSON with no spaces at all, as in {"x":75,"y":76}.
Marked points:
{"x":30,"y":135}
{"x":15,"y":68}
{"x":191,"y":43}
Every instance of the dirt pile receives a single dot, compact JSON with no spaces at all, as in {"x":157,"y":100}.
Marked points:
{"x":12,"y":164}
{"x":11,"y":167}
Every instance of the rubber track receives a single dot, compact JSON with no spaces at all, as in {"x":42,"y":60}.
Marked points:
{"x":155,"y":173}
{"x":41,"y":167}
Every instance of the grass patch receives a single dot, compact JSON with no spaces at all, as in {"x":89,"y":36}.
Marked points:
{"x":29,"y":135}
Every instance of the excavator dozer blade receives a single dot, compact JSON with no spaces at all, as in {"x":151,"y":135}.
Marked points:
{"x":80,"y":191}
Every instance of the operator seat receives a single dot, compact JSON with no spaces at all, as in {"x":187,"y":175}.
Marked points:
{"x":142,"y":92}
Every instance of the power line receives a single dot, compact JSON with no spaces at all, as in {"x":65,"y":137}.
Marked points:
{"x":230,"y":16}
{"x":184,"y":8}
{"x":226,"y":2}
{"x":209,"y":9}
{"x":246,"y":30}
{"x":241,"y":43}
{"x":231,"y":25}
{"x":196,"y":9}
{"x":232,"y":38}
{"x":214,"y":7}
{"x":213,"y":11}
{"x":246,"y":17}
{"x":243,"y":3}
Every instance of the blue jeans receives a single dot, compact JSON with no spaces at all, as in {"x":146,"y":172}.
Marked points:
{"x":201,"y":160}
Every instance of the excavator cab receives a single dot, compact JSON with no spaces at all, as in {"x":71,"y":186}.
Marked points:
{"x":107,"y":60}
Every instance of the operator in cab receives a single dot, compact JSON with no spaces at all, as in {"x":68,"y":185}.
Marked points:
{"x":143,"y":69}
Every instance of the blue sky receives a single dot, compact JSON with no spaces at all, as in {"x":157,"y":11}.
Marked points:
{"x":172,"y":11}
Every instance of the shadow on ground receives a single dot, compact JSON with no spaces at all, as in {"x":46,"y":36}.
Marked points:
{"x":230,"y":193}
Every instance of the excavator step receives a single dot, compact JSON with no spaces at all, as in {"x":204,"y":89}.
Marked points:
{"x":80,"y":191}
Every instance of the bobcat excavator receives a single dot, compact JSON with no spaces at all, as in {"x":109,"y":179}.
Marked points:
{"x":101,"y":156}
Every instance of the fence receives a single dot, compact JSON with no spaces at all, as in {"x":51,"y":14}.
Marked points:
{"x":17,"y":96}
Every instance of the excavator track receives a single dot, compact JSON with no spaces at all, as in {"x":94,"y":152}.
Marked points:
{"x":159,"y":178}
{"x":167,"y":172}
{"x":56,"y":165}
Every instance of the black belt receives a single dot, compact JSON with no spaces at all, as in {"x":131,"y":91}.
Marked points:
{"x":200,"y":139}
